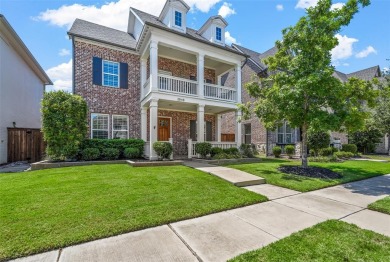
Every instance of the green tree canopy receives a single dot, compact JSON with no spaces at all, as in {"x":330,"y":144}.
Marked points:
{"x":301,"y":88}
{"x":382,"y":110}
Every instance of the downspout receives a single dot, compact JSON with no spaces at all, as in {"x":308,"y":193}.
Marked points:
{"x":73,"y":69}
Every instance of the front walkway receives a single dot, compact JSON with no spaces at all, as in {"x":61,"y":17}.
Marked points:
{"x":224,"y":235}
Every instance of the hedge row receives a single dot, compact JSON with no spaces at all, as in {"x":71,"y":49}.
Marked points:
{"x":119,"y":144}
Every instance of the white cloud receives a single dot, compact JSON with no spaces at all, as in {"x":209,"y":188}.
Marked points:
{"x":112,"y":14}
{"x":337,"y":6}
{"x":226,"y":10}
{"x":344,"y":49}
{"x":64,"y":52}
{"x":366,"y":52}
{"x":306,"y":4}
{"x":230,"y":39}
{"x":61,"y":75}
{"x":279,"y":7}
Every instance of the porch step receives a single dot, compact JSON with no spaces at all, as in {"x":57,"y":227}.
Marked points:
{"x":234,"y":176}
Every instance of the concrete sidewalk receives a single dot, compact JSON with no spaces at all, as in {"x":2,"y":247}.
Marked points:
{"x":224,"y":235}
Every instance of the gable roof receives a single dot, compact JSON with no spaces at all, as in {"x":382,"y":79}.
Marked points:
{"x":17,"y":44}
{"x":92,"y":31}
{"x":165,"y":8}
{"x":209,"y":21}
{"x":193,"y":34}
{"x":366,"y":74}
{"x":269,"y":52}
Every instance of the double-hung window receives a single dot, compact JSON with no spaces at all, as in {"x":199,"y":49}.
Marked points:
{"x":218,"y":34}
{"x":120,"y":127}
{"x":178,"y":19}
{"x":110,"y":73}
{"x":248,"y":134}
{"x":285,"y":134}
{"x":99,"y":124}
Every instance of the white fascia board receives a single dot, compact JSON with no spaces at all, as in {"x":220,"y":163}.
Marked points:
{"x":97,"y":43}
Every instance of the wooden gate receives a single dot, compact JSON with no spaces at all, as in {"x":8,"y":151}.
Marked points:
{"x":25,"y":144}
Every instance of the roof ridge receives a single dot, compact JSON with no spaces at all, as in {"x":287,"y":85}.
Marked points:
{"x":368,"y":68}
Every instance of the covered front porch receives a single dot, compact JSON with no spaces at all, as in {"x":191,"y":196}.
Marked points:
{"x":183,"y":125}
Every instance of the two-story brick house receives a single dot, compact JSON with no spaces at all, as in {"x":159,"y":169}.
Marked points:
{"x":159,"y":81}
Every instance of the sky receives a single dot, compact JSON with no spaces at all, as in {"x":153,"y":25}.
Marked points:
{"x":255,"y":24}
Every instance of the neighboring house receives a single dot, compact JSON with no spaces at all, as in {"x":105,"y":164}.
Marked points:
{"x":22,"y":84}
{"x":159,"y":81}
{"x":254,"y":132}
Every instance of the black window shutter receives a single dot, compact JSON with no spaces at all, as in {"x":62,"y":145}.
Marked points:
{"x":97,"y":71}
{"x":209,"y":130}
{"x":193,"y":130}
{"x":124,"y":75}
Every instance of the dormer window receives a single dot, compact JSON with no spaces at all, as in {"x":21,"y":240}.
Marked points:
{"x":178,"y":19}
{"x":218,"y":34}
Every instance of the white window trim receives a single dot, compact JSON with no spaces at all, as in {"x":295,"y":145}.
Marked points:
{"x":112,"y":127}
{"x":119,"y":73}
{"x":284,"y":133}
{"x":174,"y":20}
{"x":216,"y":39}
{"x":108,"y":125}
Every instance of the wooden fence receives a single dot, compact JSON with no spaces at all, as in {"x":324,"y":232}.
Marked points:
{"x":25,"y":144}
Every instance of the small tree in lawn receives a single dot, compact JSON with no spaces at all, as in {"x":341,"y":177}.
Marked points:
{"x":64,"y":124}
{"x":301,"y":88}
{"x":382,"y":110}
{"x":366,"y":139}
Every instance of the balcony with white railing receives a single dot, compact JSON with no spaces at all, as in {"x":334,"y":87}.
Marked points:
{"x":177,"y":85}
{"x":220,"y":92}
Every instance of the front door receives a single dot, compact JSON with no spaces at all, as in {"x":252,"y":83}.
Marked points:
{"x":164,"y":129}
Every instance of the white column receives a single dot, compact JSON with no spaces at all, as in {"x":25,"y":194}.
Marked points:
{"x":200,"y":75}
{"x":200,"y":124}
{"x":219,"y":128}
{"x":238,"y":82}
{"x":153,"y":108}
{"x":190,"y":148}
{"x":143,"y":77}
{"x":144,"y":123}
{"x":171,"y":142}
{"x":238,"y":129}
{"x":153,"y":65}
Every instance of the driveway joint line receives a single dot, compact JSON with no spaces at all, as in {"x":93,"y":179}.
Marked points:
{"x":336,"y":200}
{"x":353,"y":213}
{"x":304,"y":211}
{"x":185,"y":243}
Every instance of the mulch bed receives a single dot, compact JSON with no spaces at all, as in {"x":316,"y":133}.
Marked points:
{"x":315,"y":172}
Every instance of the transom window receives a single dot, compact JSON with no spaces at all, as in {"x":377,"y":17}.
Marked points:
{"x":178,"y":18}
{"x":99,"y":123}
{"x":110,"y":73}
{"x":120,"y":127}
{"x":218,"y":34}
{"x":285,"y":134}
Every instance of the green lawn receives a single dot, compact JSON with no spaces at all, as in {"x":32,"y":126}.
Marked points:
{"x":48,"y":209}
{"x":382,"y":205}
{"x":329,"y":241}
{"x":377,"y":157}
{"x":350,"y":170}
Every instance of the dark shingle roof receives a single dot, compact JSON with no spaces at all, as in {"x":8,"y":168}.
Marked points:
{"x":268,"y":53}
{"x":103,"y":34}
{"x":254,"y":61}
{"x":341,"y":76}
{"x":366,"y":74}
{"x":190,"y":33}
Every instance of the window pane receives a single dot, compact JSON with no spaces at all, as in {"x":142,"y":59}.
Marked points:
{"x":100,"y":134}
{"x":100,"y":122}
{"x":119,"y":135}
{"x":219,"y":34}
{"x":280,"y":138}
{"x":120,"y":123}
{"x":288,"y":138}
{"x":280,"y":129}
{"x":177,"y":18}
{"x":110,"y":74}
{"x":288,"y":128}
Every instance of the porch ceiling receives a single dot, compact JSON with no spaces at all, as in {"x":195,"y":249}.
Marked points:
{"x":187,"y":107}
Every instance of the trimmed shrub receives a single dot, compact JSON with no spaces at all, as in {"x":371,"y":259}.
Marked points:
{"x":110,"y":154}
{"x":312,"y":153}
{"x":203,"y":149}
{"x":131,"y":153}
{"x":232,"y":151}
{"x":120,"y":144}
{"x":290,"y":150}
{"x":226,"y":156}
{"x":215,"y":151}
{"x":325,"y":151}
{"x":163,"y":149}
{"x":64,"y":124}
{"x":318,"y":140}
{"x":247,"y":150}
{"x":335,"y":149}
{"x":277,"y":150}
{"x":343,"y":155}
{"x":321,"y":159}
{"x":89,"y":154}
{"x":352,"y":148}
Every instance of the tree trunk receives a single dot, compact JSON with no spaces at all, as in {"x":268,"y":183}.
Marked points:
{"x":304,"y":146}
{"x":388,"y":143}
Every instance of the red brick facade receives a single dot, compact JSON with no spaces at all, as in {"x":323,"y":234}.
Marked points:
{"x":106,"y":100}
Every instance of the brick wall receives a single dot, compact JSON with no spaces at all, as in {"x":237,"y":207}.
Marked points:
{"x":181,"y":69}
{"x":108,"y":100}
{"x":181,"y":128}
